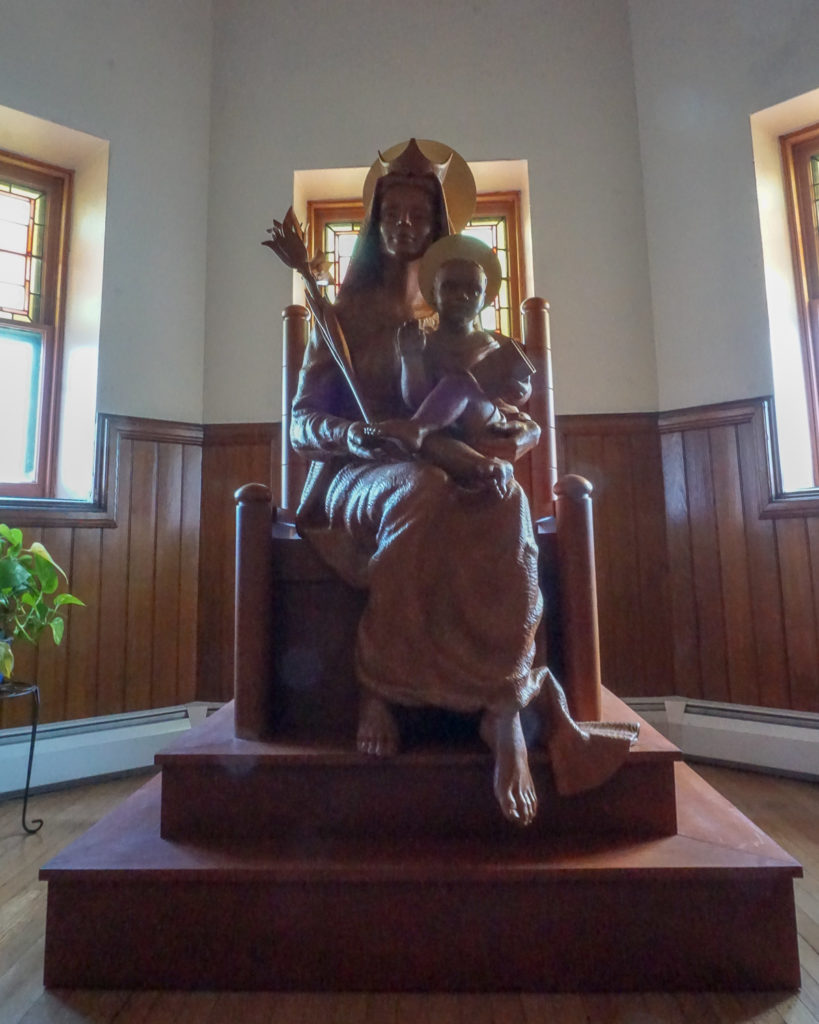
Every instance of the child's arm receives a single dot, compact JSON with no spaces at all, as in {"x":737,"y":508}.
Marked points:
{"x":415,"y":381}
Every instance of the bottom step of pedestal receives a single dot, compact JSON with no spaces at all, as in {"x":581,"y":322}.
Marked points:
{"x":709,"y":908}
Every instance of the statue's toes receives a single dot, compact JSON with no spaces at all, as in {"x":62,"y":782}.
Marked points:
{"x":528,"y":803}
{"x":509,"y":807}
{"x":518,"y":805}
{"x":377,"y":744}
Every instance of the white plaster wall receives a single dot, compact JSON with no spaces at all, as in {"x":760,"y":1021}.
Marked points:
{"x":136,"y":72}
{"x":701,"y":68}
{"x":302,"y":84}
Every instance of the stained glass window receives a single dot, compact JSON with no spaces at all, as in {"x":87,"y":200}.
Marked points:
{"x":492,"y":231}
{"x":22,"y":225}
{"x":333,"y":228}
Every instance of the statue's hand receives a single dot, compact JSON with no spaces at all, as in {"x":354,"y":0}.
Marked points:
{"x":509,"y":441}
{"x":386,"y":440}
{"x":362,"y":442}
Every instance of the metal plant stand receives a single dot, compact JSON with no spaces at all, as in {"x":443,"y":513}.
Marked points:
{"x":8,"y":691}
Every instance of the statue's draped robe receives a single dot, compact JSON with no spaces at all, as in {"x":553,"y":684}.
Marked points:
{"x":452,"y":574}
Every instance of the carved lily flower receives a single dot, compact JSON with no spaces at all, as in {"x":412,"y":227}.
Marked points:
{"x":287,"y":241}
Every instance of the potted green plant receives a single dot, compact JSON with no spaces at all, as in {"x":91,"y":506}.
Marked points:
{"x":29,"y":602}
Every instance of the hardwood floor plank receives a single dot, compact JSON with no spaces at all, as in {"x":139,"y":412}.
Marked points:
{"x":506,"y":1008}
{"x":139,"y":1006}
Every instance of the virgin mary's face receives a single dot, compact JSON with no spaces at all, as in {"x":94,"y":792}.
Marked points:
{"x":407,"y":222}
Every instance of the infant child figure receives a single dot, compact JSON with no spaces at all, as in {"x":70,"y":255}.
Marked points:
{"x":458,"y":375}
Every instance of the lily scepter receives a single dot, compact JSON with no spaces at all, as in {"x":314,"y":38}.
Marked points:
{"x":287,"y":241}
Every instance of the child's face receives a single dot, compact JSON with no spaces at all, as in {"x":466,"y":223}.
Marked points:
{"x":459,"y":290}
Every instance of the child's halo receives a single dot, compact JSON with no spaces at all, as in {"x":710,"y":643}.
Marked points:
{"x":459,"y":247}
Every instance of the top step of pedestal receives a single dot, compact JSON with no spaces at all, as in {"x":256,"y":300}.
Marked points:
{"x":217,"y":787}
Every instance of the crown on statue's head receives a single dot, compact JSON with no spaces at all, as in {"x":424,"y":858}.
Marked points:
{"x":412,"y":163}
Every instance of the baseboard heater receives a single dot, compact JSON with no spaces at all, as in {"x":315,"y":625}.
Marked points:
{"x":89,"y":748}
{"x":767,"y":739}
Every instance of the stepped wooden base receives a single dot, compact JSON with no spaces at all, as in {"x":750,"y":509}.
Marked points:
{"x":707,"y":907}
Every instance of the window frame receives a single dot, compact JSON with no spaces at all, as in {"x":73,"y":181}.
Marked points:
{"x":57,"y":183}
{"x":506,"y":203}
{"x":797,"y":147}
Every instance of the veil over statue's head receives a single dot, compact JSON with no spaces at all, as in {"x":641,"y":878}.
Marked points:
{"x":425,"y":164}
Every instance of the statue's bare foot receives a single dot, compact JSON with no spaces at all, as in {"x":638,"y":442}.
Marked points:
{"x":583,"y":755}
{"x":495,"y":474}
{"x":377,"y":728}
{"x":514,"y":789}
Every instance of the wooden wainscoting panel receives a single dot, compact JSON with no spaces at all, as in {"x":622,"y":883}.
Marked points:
{"x":770,"y":684}
{"x":134,"y":561}
{"x":83,"y":626}
{"x":705,"y":559}
{"x":233,"y":455}
{"x":114,"y":596}
{"x":800,"y":617}
{"x":166,"y":629}
{"x":139,"y":648}
{"x":52,"y":661}
{"x":683,"y":602}
{"x":621,"y":457}
{"x":621,"y":606}
{"x":650,"y":543}
{"x":733,"y":566}
{"x":188,"y":622}
{"x":754,"y":562}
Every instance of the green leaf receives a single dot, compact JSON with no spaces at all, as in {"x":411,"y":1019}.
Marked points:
{"x":13,"y":576}
{"x":38,"y":549}
{"x":12,"y":535}
{"x":6,"y":659}
{"x":45,"y":571}
{"x":57,"y":627}
{"x":62,"y":599}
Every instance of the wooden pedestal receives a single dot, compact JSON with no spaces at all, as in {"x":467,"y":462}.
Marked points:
{"x":268,"y":866}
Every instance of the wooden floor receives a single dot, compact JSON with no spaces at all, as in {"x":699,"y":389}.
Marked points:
{"x":788,"y":810}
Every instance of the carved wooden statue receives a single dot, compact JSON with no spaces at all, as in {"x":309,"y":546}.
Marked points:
{"x":420,"y":506}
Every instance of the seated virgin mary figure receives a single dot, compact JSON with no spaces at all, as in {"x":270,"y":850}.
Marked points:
{"x":448,"y":558}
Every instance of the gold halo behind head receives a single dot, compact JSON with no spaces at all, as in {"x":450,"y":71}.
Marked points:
{"x":458,"y":185}
{"x":459,"y":247}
